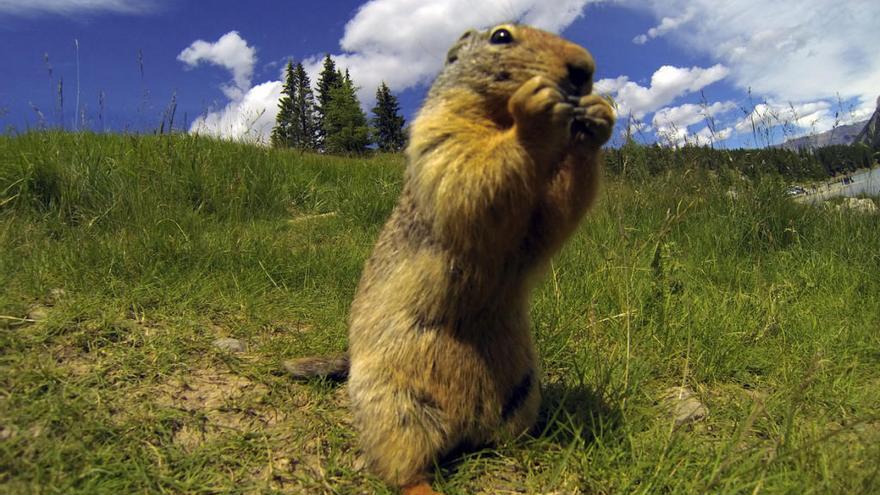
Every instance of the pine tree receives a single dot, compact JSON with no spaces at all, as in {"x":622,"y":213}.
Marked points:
{"x":285,"y":124}
{"x":304,"y":111}
{"x":328,"y":79}
{"x":387,"y":123}
{"x":345,"y":125}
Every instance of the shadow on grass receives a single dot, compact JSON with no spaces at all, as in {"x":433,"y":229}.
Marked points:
{"x":571,"y":412}
{"x":567,"y":414}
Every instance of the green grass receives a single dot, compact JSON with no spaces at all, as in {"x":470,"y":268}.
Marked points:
{"x":768,"y":309}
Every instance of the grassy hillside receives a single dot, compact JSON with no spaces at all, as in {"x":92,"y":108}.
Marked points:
{"x":123,"y":258}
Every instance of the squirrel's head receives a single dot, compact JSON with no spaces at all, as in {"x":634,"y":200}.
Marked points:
{"x":496,"y":62}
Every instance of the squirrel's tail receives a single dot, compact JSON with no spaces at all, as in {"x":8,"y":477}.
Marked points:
{"x":331,"y":367}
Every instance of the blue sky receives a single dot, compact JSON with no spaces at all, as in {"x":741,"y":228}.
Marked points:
{"x":695,"y":71}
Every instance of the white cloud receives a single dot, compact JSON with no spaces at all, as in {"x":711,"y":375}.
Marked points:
{"x":805,"y":52}
{"x":689,"y":114}
{"x":610,"y":86}
{"x":250,"y":113}
{"x":672,"y":124}
{"x":250,"y":119}
{"x":666,"y":25}
{"x":708,"y":136}
{"x":230,"y":52}
{"x":404,"y":42}
{"x":667,"y":84}
{"x":787,"y":50}
{"x":793,"y":119}
{"x":401,"y":42}
{"x":69,"y":7}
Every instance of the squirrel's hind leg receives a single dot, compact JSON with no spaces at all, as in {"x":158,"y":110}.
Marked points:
{"x":401,"y":436}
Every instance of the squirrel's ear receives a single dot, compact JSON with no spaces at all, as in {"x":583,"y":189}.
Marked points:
{"x":470,"y":33}
{"x":452,"y":54}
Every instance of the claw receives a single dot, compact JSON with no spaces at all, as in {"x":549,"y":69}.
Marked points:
{"x":580,"y":114}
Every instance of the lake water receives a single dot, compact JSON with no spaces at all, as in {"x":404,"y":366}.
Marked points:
{"x":864,"y":183}
{"x":867,"y":182}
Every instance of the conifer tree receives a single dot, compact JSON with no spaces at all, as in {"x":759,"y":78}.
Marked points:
{"x":387,"y":122}
{"x":304,"y":111}
{"x":345,"y":125}
{"x":284,"y":131}
{"x":328,"y":79}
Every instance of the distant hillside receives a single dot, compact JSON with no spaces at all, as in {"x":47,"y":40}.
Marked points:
{"x":870,"y":134}
{"x":843,"y":134}
{"x":866,"y":132}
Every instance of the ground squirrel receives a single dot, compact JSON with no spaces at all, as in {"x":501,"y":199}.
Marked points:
{"x":503,"y":160}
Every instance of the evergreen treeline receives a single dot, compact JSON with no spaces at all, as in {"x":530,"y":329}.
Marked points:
{"x":331,"y":119}
{"x":636,"y":159}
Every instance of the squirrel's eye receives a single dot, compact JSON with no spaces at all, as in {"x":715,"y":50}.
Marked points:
{"x":501,"y":37}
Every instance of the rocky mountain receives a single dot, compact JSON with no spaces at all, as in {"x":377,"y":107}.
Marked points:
{"x":842,"y":134}
{"x":870,"y":134}
{"x":866,"y":131}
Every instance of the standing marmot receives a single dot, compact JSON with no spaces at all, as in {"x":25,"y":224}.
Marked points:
{"x":504,"y":158}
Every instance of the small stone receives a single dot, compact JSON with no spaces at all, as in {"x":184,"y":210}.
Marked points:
{"x":229,"y":345}
{"x":6,"y":433}
{"x":684,"y":405}
{"x":38,"y":313}
{"x":56,"y":295}
{"x":35,"y":431}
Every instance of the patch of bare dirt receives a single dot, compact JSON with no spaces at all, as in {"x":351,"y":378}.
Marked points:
{"x":73,"y":361}
{"x":219,"y":402}
{"x":506,"y":477}
{"x":79,"y":366}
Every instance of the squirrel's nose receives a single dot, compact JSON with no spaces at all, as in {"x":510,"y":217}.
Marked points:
{"x":579,"y":73}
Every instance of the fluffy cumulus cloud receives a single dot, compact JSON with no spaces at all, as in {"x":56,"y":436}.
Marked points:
{"x":250,"y":112}
{"x":401,"y":42}
{"x":800,"y":52}
{"x":404,"y":42}
{"x":230,"y":52}
{"x":250,"y":118}
{"x":667,"y":84}
{"x":794,"y":119}
{"x":68,"y":7}
{"x":708,"y":136}
{"x":672,"y":124}
{"x":686,"y":115}
{"x":788,"y":50}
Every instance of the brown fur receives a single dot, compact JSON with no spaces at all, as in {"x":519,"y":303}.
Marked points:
{"x":501,"y":167}
{"x":332,"y":368}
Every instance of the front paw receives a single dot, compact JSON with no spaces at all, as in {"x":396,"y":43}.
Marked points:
{"x":593,"y":119}
{"x":541,"y":113}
